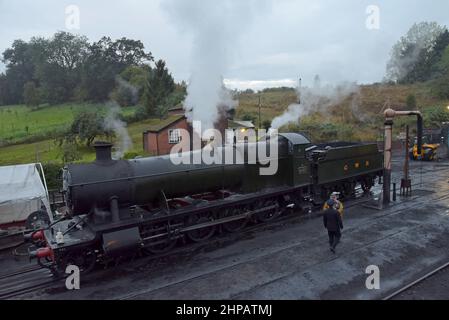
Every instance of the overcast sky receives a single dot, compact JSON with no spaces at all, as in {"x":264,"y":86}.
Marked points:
{"x":280,"y":41}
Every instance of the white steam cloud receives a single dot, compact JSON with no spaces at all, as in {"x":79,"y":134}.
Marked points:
{"x":124,"y":87}
{"x":215,"y":27}
{"x":316,"y":99}
{"x":113,"y":122}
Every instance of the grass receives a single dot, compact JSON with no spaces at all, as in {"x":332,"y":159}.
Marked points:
{"x":48,"y":151}
{"x":20,"y":123}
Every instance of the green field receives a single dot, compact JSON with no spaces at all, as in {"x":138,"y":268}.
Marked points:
{"x":21,"y":123}
{"x":48,"y":151}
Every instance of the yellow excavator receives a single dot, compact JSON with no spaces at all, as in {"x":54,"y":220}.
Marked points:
{"x":428,"y":152}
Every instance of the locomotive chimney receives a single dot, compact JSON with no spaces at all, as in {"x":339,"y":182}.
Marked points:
{"x":103,"y":151}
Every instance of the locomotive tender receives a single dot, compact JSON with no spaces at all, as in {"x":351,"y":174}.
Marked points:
{"x":118,"y":207}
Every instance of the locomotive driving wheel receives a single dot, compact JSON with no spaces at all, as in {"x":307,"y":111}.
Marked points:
{"x":163,"y":241}
{"x":84,"y":260}
{"x":236,"y":225}
{"x":367,"y":184}
{"x":203,"y":233}
{"x":268,"y":214}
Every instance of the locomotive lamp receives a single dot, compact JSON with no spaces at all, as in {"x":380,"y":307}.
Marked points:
{"x":390,"y":114}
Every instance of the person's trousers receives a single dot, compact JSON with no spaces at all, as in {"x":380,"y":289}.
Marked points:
{"x":334,"y":238}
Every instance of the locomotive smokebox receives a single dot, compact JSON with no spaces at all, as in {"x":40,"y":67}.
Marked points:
{"x":103,"y":151}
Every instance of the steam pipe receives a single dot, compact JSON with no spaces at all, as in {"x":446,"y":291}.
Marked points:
{"x":419,"y":124}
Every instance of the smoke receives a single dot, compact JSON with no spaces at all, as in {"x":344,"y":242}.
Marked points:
{"x":125,"y":88}
{"x":113,"y":122}
{"x":318,"y":98}
{"x":216,"y":27}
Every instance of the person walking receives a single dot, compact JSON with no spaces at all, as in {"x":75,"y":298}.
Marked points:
{"x":339,"y":204}
{"x":333,"y":223}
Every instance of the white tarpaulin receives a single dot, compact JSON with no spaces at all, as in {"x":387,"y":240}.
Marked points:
{"x":21,"y":192}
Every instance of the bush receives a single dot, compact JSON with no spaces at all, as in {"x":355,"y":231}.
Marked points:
{"x":130,"y":155}
{"x":411,"y":101}
{"x":53,"y":175}
{"x":138,"y":115}
{"x":266,"y":124}
{"x":440,"y":87}
{"x":248,"y":117}
{"x":86,"y":126}
{"x":435,"y":116}
{"x":69,"y":151}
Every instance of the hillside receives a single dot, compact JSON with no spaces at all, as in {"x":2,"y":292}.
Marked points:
{"x":357,"y":118}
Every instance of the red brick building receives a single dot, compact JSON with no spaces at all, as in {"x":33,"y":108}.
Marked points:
{"x":159,"y":139}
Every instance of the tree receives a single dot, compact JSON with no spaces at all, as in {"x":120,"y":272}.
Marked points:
{"x":413,"y":55}
{"x":21,"y":61}
{"x":162,"y":111}
{"x":60,"y":73}
{"x":158,"y":87}
{"x":442,"y":66}
{"x":86,"y":126}
{"x":435,"y":116}
{"x":31,"y":94}
{"x":266,"y":124}
{"x":67,"y":67}
{"x":5,"y":97}
{"x":107,"y":59}
{"x":130,"y":85}
{"x":70,"y":151}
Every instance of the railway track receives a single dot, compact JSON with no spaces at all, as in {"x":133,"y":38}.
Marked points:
{"x":24,"y":280}
{"x":416,"y":282}
{"x":11,"y":240}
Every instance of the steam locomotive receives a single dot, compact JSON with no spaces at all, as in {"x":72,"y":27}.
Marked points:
{"x":119,"y":207}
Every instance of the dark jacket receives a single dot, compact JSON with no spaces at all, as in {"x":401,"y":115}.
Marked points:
{"x":332,"y":220}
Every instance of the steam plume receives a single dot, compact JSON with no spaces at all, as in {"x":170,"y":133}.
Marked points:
{"x":316,"y":99}
{"x":112,"y":122}
{"x":215,"y":26}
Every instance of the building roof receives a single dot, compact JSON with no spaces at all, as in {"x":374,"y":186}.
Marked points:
{"x":233,"y":124}
{"x":165,"y":123}
{"x":177,"y":107}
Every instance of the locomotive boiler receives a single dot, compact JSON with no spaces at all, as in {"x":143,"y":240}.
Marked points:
{"x":118,"y":207}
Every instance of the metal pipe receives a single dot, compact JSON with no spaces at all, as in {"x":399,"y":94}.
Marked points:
{"x":387,"y":157}
{"x":389,"y":116}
